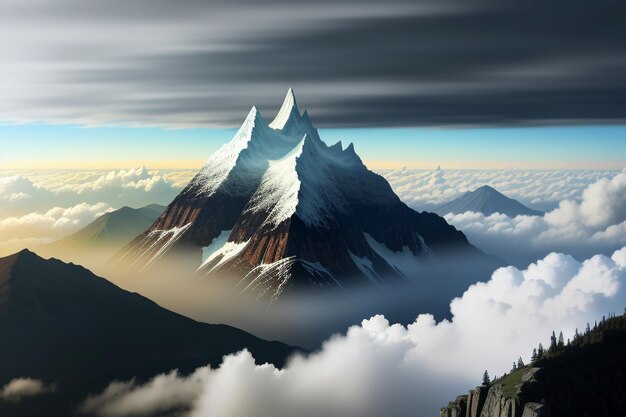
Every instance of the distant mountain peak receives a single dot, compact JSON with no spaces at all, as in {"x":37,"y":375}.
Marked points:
{"x":486,"y":200}
{"x":97,"y":242}
{"x":24,"y":254}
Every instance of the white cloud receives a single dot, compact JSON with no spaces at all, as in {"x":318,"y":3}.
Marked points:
{"x":595,"y":224}
{"x":135,"y":178}
{"x":603,"y":204}
{"x":19,"y":388}
{"x":18,"y":191}
{"x":28,"y":191}
{"x":394,"y":370}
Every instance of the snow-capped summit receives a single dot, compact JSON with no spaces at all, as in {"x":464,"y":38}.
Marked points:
{"x":288,"y":112}
{"x":277,"y":209}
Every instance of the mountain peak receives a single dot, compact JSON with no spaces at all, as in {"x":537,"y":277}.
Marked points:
{"x":486,"y":200}
{"x":289,"y":108}
{"x":22,"y":254}
{"x":7,"y":265}
{"x":276,"y":194}
{"x":487,"y":188}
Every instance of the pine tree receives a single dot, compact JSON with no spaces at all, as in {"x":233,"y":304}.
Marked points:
{"x":561,"y":342}
{"x":552,"y":342}
{"x":576,"y":334}
{"x":486,"y":380}
{"x":520,"y":363}
{"x":533,"y":357}
{"x":514,"y":367}
{"x":540,"y":352}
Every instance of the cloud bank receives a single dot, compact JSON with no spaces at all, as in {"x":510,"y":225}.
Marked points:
{"x":20,"y":388}
{"x":594,"y":224}
{"x":381,"y":369}
{"x":26,"y":191}
{"x":543,"y":189}
{"x":357,"y":63}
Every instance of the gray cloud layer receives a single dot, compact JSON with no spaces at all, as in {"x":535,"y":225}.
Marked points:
{"x":354,"y":63}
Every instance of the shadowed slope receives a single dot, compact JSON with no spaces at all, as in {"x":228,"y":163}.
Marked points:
{"x":61,"y":323}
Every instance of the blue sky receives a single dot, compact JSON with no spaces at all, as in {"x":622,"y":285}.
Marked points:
{"x":50,"y":146}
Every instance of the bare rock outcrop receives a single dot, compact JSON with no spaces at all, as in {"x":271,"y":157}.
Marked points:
{"x":475,"y":401}
{"x":536,"y":410}
{"x":456,"y":408}
{"x":497,"y":404}
{"x":504,"y":398}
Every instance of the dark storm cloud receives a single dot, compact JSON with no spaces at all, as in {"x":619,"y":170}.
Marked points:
{"x":365,"y":63}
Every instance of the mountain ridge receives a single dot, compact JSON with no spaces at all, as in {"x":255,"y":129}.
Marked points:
{"x":62,"y":324}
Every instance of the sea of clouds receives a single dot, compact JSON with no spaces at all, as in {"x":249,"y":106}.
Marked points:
{"x":541,"y":189}
{"x":586,"y":208}
{"x":377,"y":368}
{"x":594,"y":221}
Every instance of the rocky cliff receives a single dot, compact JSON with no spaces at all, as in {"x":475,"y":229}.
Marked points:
{"x":507,"y":397}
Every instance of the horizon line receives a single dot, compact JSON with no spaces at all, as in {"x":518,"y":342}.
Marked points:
{"x":65,"y":165}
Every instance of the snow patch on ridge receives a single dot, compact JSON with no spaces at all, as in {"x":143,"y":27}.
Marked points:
{"x":288,"y":107}
{"x":404,"y":261}
{"x":266,"y":278}
{"x":171,"y":235}
{"x":222,"y":255}
{"x":301,"y":183}
{"x":278,"y":193}
{"x":366,"y":266}
{"x":268,"y":281}
{"x":221,"y":162}
{"x":215,"y":245}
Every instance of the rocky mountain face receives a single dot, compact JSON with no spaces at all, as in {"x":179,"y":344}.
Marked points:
{"x":276,"y":209}
{"x":64,"y":325}
{"x":582,"y":379}
{"x":486,"y":200}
